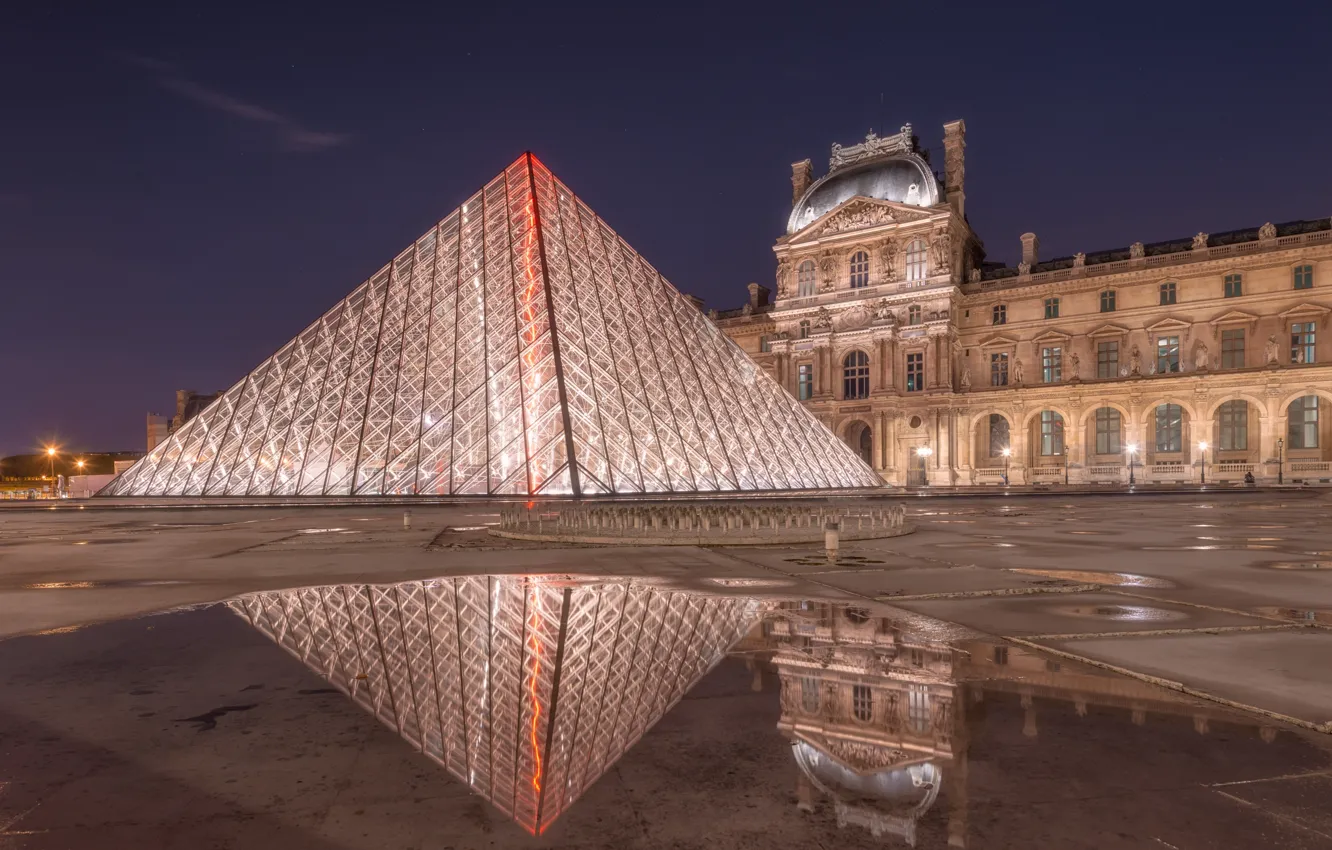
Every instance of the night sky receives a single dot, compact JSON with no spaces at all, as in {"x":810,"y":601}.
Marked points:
{"x":184,"y":187}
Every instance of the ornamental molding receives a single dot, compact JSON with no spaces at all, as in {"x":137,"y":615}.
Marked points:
{"x":1307,"y":311}
{"x":1052,"y":335}
{"x":1108,"y":331}
{"x":1167,"y":325}
{"x":998,"y":341}
{"x":855,"y":318}
{"x":860,"y":213}
{"x":873,"y":147}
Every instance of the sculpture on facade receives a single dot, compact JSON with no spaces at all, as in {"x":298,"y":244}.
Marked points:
{"x":1073,"y":361}
{"x":903,"y":142}
{"x":783,"y":278}
{"x":828,"y":272}
{"x":1017,"y":370}
{"x":966,"y":378}
{"x":1200,"y":357}
{"x":1079,"y":260}
{"x":942,"y":256}
{"x":1024,"y":268}
{"x":823,"y":319}
{"x":888,"y":260}
{"x":1267,"y":231}
{"x":883,"y":311}
{"x":974,"y":276}
{"x":1137,"y":251}
{"x":1135,"y":361}
{"x":1273,"y":350}
{"x":1200,"y":241}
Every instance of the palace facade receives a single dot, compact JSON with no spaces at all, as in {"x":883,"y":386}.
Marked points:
{"x":1161,"y":362}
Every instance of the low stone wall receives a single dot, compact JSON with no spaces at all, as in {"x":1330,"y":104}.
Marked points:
{"x":701,"y":525}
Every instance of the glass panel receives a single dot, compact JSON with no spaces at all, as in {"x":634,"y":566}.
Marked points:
{"x":1302,"y":342}
{"x":1234,"y":416}
{"x":1107,"y":359}
{"x":999,"y":436}
{"x":1304,"y":277}
{"x":1169,"y":428}
{"x":1232,"y":349}
{"x":1052,"y":433}
{"x":1052,"y":365}
{"x":915,"y":260}
{"x":859,"y":272}
{"x":999,"y":369}
{"x":1108,"y":301}
{"x":1107,"y":431}
{"x":1167,"y":354}
{"x":1302,"y":430}
{"x":915,"y":372}
{"x":999,"y":315}
{"x":855,"y":375}
{"x":1167,"y":293}
{"x":806,"y":283}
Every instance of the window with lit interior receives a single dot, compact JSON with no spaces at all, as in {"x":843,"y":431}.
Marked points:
{"x":859,"y":271}
{"x":915,"y":260}
{"x":855,"y":375}
{"x":1302,"y":416}
{"x":1169,"y":428}
{"x":1108,"y":426}
{"x":1234,"y":416}
{"x":806,"y":283}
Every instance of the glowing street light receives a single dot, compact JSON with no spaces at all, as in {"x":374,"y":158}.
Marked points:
{"x":50,"y":455}
{"x":1202,"y":447}
{"x":923,"y":452}
{"x":1132,"y":449}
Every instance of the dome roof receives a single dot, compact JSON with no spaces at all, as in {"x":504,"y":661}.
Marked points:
{"x":905,"y":179}
{"x":912,"y":786}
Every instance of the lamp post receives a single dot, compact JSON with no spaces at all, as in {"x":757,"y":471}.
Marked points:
{"x":1007,"y":453}
{"x":924,"y":452}
{"x":1202,"y":447}
{"x":50,"y":455}
{"x":1132,"y":450}
{"x":1281,"y":460}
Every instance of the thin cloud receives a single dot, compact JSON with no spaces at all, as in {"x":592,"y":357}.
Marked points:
{"x":291,"y":135}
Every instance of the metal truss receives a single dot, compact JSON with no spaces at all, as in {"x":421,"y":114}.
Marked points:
{"x":520,"y":347}
{"x":527,"y":689}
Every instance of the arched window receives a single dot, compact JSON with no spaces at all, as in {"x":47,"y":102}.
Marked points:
{"x":1234,"y":416}
{"x":859,"y":270}
{"x":999,"y":440}
{"x":1169,"y":428}
{"x":855,"y":375}
{"x":804,"y":328}
{"x":915,"y":260}
{"x":1303,"y":418}
{"x":1109,"y":425}
{"x":805,"y":283}
{"x":862,"y":702}
{"x":1052,"y":433}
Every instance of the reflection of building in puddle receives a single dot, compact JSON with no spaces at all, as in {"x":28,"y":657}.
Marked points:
{"x":881,"y":720}
{"x":527,"y":689}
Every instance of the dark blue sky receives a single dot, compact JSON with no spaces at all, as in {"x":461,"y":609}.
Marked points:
{"x":183,"y":187}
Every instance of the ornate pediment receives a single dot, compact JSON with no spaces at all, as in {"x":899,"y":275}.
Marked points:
{"x":1109,"y":331}
{"x":1051,"y":335}
{"x":859,"y":213}
{"x":998,"y":341}
{"x":1234,"y":317}
{"x":863,"y":757}
{"x":1169,"y":325}
{"x":1307,"y":311}
{"x":872,"y":147}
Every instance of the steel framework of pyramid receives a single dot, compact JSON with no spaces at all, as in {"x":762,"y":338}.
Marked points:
{"x":526,"y":689}
{"x":518,"y":334}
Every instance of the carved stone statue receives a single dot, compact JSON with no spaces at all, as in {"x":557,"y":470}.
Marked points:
{"x":974,"y":276}
{"x":1135,"y":361}
{"x":1200,"y":241}
{"x":1273,"y":350}
{"x":941,"y":258}
{"x":747,"y":310}
{"x":1017,"y":370}
{"x":784,"y":279}
{"x":1200,"y":357}
{"x":883,"y":311}
{"x":888,"y":260}
{"x":1072,"y":361}
{"x":1267,"y":232}
{"x":823,"y":319}
{"x":1299,"y":355}
{"x":1024,"y":268}
{"x":966,"y":378}
{"x":1079,"y":260}
{"x":1137,"y":251}
{"x":828,"y":272}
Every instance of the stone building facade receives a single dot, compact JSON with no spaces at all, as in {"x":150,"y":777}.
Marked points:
{"x":1161,"y":362}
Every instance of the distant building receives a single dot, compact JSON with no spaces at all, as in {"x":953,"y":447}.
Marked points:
{"x":188,"y":404}
{"x":1161,"y":361}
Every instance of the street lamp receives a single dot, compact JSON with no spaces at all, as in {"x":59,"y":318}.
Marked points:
{"x":50,"y":454}
{"x":1202,"y":447}
{"x":1132,"y":449}
{"x":923,"y":452}
{"x":1007,"y":453}
{"x":1281,"y":460}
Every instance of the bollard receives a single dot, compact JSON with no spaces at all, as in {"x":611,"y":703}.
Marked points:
{"x":407,"y":520}
{"x":831,"y":535}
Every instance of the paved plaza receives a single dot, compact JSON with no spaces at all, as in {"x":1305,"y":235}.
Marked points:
{"x":1189,"y":631}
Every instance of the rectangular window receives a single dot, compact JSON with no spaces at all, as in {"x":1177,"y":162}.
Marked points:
{"x":765,"y":343}
{"x":1234,"y":285}
{"x":1107,"y":431}
{"x":1302,"y":340}
{"x":999,"y":369}
{"x":915,"y":371}
{"x":1167,"y":354}
{"x":1052,"y":365}
{"x":1052,"y":433}
{"x":1167,"y":293}
{"x":1304,"y":277}
{"x":1303,"y":429}
{"x":1052,"y":308}
{"x":1234,"y":417}
{"x":913,"y":314}
{"x":1232,"y":349}
{"x":1108,"y":301}
{"x":805,"y":381}
{"x":1107,"y":359}
{"x":1169,"y":428}
{"x":1000,"y":315}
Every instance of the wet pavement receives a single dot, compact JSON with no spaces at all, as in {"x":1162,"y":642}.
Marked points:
{"x":326,"y":678}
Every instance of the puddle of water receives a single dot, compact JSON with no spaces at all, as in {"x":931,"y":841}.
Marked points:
{"x":1120,"y":613}
{"x":92,"y":585}
{"x":1245,"y":539}
{"x":1296,"y":565}
{"x":1093,"y":577}
{"x":470,"y":527}
{"x":320,"y":530}
{"x":1301,"y":615}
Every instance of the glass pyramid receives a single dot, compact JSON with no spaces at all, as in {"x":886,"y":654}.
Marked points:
{"x":520,"y":347}
{"x":526,"y":689}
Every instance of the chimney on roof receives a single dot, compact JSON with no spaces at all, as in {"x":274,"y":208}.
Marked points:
{"x":802,"y":174}
{"x":955,"y":144}
{"x":1031,"y":249}
{"x":758,"y":295}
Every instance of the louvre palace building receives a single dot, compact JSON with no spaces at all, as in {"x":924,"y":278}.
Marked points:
{"x":1162,"y":361}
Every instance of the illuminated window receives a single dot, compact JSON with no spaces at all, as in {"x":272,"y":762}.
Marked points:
{"x":1302,"y":342}
{"x":915,"y":371}
{"x":1234,"y":285}
{"x":804,"y":328}
{"x":1052,"y":308}
{"x":1232,"y":349}
{"x":1234,"y":417}
{"x":913,"y":314}
{"x":999,"y":369}
{"x":918,"y":707}
{"x":1304,"y":277}
{"x":1108,"y":301}
{"x":1107,"y":359}
{"x":862,"y":702}
{"x":999,"y":316}
{"x":999,"y":439}
{"x":805,"y":279}
{"x":859,"y":270}
{"x":855,"y":375}
{"x":1108,"y":424}
{"x":805,"y":381}
{"x":915,"y":260}
{"x":1167,"y":293}
{"x":1302,"y":415}
{"x":1169,"y":428}
{"x":1052,"y":365}
{"x":809,"y":694}
{"x":1052,"y":433}
{"x":1167,"y":354}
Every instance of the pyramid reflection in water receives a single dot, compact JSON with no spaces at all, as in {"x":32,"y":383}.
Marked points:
{"x":525,"y":688}
{"x":518,"y":347}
